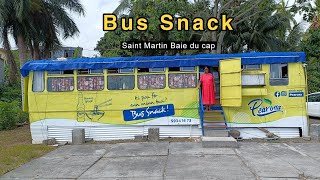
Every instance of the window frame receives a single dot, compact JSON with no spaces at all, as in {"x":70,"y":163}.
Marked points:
{"x":120,"y":71}
{"x":182,"y":70}
{"x":51,"y":77}
{"x":245,"y":67}
{"x":280,"y":81}
{"x":195,"y":72}
{"x":196,"y":80}
{"x":147,"y":74}
{"x":89,"y":72}
{"x":44,"y":81}
{"x":115,"y":75}
{"x":153,"y":71}
{"x":61,"y":75}
{"x":92,"y":76}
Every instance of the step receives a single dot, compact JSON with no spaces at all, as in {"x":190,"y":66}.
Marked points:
{"x":216,"y":133}
{"x":213,"y":111}
{"x":208,"y":121}
{"x":215,"y":127}
{"x":217,"y":116}
{"x":214,"y":119}
{"x":219,"y":142}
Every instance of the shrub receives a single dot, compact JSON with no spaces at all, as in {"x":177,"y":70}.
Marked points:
{"x":10,"y":107}
{"x":10,"y":113}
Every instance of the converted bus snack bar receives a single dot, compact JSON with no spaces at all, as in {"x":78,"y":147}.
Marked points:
{"x":121,"y":97}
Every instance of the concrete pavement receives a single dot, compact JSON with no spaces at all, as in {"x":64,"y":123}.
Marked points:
{"x":175,"y":160}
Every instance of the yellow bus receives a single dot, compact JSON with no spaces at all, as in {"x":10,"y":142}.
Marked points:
{"x":122,"y":97}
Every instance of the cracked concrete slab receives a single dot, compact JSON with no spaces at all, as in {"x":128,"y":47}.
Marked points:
{"x":176,"y":160}
{"x":265,"y":162}
{"x":138,"y":149}
{"x":221,"y":167}
{"x":127,"y":167}
{"x":189,"y":148}
{"x":80,"y":150}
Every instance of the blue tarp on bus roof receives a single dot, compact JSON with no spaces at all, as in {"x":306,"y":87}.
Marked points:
{"x":160,"y":61}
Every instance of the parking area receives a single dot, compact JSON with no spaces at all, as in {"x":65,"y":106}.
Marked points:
{"x":175,"y":160}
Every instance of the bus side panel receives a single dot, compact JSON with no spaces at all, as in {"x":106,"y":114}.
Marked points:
{"x":282,"y":107}
{"x":158,"y":107}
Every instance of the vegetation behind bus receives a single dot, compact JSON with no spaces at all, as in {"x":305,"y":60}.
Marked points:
{"x":10,"y":107}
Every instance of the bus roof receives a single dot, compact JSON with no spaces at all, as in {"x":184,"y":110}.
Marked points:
{"x":160,"y":61}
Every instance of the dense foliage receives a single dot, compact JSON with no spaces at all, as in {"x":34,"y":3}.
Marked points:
{"x":10,"y":107}
{"x":311,"y":47}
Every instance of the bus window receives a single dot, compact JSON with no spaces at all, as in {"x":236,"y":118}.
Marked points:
{"x":188,"y":68}
{"x":252,"y":67}
{"x":152,"y":81}
{"x":177,"y":69}
{"x":90,"y":83}
{"x":173,"y":69}
{"x":90,"y":71}
{"x":182,"y":77}
{"x":120,"y":82}
{"x":156,"y":70}
{"x":123,"y":70}
{"x":279,"y":75}
{"x":126,"y":70}
{"x":60,"y":72}
{"x":60,"y":84}
{"x":38,"y":81}
{"x":185,"y":80}
{"x":96,"y":71}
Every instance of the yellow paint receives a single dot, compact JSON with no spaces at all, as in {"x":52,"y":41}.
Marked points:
{"x":107,"y":106}
{"x":291,"y":106}
{"x":230,"y":83}
{"x":254,"y":91}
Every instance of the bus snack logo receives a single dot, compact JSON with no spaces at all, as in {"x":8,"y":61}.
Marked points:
{"x":257,"y":110}
{"x":148,"y":112}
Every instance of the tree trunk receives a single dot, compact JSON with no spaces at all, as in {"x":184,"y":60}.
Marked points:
{"x":215,"y":14}
{"x":36,"y":50}
{"x":220,"y":41}
{"x":23,"y":58}
{"x":46,"y":51}
{"x":13,"y":69}
{"x":31,"y":49}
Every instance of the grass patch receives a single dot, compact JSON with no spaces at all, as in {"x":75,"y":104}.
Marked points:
{"x":16,"y":149}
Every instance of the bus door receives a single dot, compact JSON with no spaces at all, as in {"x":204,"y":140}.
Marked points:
{"x":230,"y":82}
{"x":215,"y":72}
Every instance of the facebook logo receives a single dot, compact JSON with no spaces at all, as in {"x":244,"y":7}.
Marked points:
{"x":277,"y":94}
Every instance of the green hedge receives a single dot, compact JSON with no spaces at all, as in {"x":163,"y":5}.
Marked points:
{"x":10,"y":107}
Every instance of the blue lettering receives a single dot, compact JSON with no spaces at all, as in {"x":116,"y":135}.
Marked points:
{"x":255,"y":105}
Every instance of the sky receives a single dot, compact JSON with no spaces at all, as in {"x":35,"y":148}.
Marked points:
{"x":90,"y":26}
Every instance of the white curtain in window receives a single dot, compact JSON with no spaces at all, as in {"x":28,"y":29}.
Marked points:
{"x":38,"y":81}
{"x":275,"y":71}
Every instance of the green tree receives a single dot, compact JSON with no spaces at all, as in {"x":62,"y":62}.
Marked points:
{"x":311,"y":47}
{"x":109,"y":45}
{"x":38,"y":21}
{"x":50,"y":18}
{"x":77,"y":53}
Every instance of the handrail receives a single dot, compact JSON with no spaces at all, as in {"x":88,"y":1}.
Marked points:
{"x":201,"y":111}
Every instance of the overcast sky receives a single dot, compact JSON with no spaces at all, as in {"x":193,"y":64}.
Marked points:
{"x":90,"y":26}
